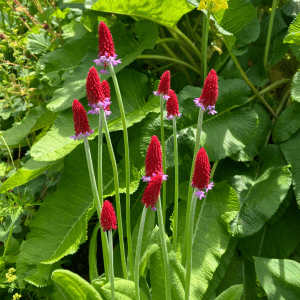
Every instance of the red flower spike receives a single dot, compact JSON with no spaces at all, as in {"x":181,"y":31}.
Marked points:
{"x":106,"y":45}
{"x":152,"y":191}
{"x":210,"y":90}
{"x":153,"y":158}
{"x":108,"y":218}
{"x":172,"y":106}
{"x":105,"y":89}
{"x":202,"y":170}
{"x":81,"y":123}
{"x":164,"y":85}
{"x":93,"y":87}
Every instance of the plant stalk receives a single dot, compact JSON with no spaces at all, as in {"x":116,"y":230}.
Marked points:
{"x":175,"y":219}
{"x":127,"y":168}
{"x":274,"y":6}
{"x":164,"y":250}
{"x":93,"y":272}
{"x":138,"y":254}
{"x":163,"y":158}
{"x":111,"y":265}
{"x":205,"y":43}
{"x":100,"y":151}
{"x":117,"y":194}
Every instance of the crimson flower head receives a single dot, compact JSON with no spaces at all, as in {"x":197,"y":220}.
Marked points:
{"x":81,"y":123}
{"x":172,"y":106}
{"x":153,"y":159}
{"x":106,"y":55}
{"x":164,"y":85}
{"x":108,"y":218}
{"x":95,"y":93}
{"x":152,"y":191}
{"x":201,"y":174}
{"x":208,"y":98}
{"x":106,"y":91}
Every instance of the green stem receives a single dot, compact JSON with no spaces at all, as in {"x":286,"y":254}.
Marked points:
{"x":127,"y":168}
{"x":189,"y":256}
{"x":163,"y":157}
{"x":100,"y":149}
{"x":111,"y":265}
{"x":212,"y":173}
{"x":205,"y":44}
{"x":164,"y":251}
{"x":189,"y":27}
{"x":170,"y":40}
{"x":161,"y":57}
{"x":93,"y":271}
{"x":117,"y":194}
{"x":190,"y":193}
{"x":162,"y":68}
{"x":266,"y":104}
{"x":274,"y":6}
{"x":11,"y":158}
{"x":96,"y":200}
{"x":138,"y":254}
{"x":175,"y":219}
{"x":8,"y":239}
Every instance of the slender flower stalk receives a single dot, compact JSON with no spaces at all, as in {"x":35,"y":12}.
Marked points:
{"x":138,"y":254}
{"x":200,"y":181}
{"x":117,"y":194}
{"x":108,"y":222}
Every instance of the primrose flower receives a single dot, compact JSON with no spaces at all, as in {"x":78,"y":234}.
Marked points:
{"x":214,"y":5}
{"x":153,"y":160}
{"x":164,"y":85}
{"x":108,"y":218}
{"x":152,"y":191}
{"x":201,"y":174}
{"x":106,"y":55}
{"x":209,"y":94}
{"x":81,"y":123}
{"x":95,"y":95}
{"x":172,"y":106}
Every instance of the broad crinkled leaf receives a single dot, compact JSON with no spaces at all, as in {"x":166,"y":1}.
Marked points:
{"x":127,"y":49}
{"x":293,"y":35}
{"x":280,"y":278}
{"x":75,"y":285}
{"x":165,"y":12}
{"x":261,"y":195}
{"x":38,"y":42}
{"x":211,"y":235}
{"x":233,"y":293}
{"x":133,"y":85}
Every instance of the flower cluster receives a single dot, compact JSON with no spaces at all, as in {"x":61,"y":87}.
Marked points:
{"x":96,"y":94}
{"x":16,"y":296}
{"x":172,"y":106}
{"x":106,"y":54}
{"x":10,"y":275}
{"x":201,"y":174}
{"x":215,"y":5}
{"x":164,"y":85}
{"x":208,"y":98}
{"x":108,"y":218}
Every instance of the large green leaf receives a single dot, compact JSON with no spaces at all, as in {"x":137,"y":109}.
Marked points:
{"x":287,"y":124}
{"x":290,"y":149}
{"x":38,"y":43}
{"x":223,"y":134}
{"x":279,"y":278}
{"x":75,"y":286}
{"x":165,"y":12}
{"x":261,"y":195}
{"x":127,"y":49}
{"x":293,"y":35}
{"x":233,"y":293}
{"x":240,"y":19}
{"x":57,"y":142}
{"x":211,"y":236}
{"x":296,"y":87}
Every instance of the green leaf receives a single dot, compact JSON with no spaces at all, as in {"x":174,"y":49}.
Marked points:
{"x":30,"y":170}
{"x":277,"y":48}
{"x":233,"y":293}
{"x":133,"y":85}
{"x":240,"y":19}
{"x":73,"y":31}
{"x":38,"y":43}
{"x":124,"y":289}
{"x":75,"y":286}
{"x":290,"y":149}
{"x":165,"y":12}
{"x":279,"y":277}
{"x":211,"y":236}
{"x":296,"y":87}
{"x":262,"y":193}
{"x":127,"y":49}
{"x":293,"y":35}
{"x":6,"y":227}
{"x":287,"y":124}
